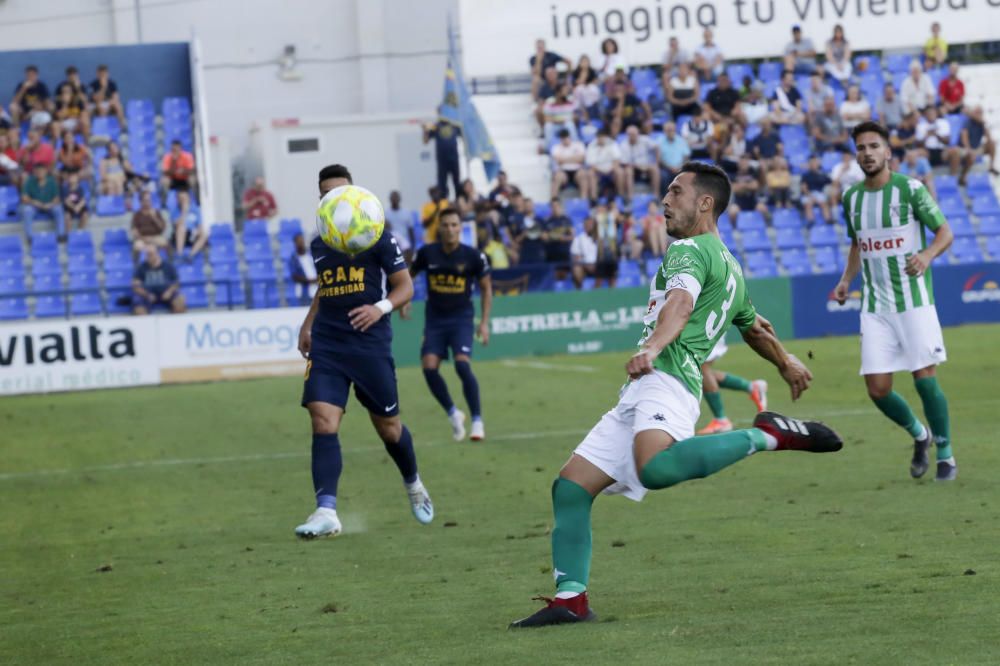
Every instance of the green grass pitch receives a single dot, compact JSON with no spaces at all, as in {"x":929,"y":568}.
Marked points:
{"x":155,"y":526}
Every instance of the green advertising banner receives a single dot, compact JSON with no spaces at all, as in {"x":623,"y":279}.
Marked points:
{"x":576,"y":322}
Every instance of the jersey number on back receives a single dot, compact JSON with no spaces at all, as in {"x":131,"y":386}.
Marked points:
{"x":716,"y":320}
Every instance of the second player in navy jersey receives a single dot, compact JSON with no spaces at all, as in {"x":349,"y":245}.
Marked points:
{"x":452,"y":270}
{"x":346,"y":339}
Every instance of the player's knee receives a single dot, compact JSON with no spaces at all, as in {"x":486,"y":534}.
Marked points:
{"x":879,"y":391}
{"x":390,"y":431}
{"x":462,"y":366}
{"x":324,"y":422}
{"x":662,"y":472}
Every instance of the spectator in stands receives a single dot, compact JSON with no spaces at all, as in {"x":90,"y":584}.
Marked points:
{"x":787,"y":104}
{"x":148,"y":226}
{"x":674,"y":151}
{"x":40,"y":196}
{"x":838,"y":57}
{"x":778,"y":179}
{"x":568,"y":157}
{"x":71,"y":112}
{"x":904,"y":137}
{"x":586,"y":91}
{"x":74,"y":201}
{"x":755,"y":107}
{"x":502,"y":190}
{"x":302,"y":269}
{"x":74,"y":158}
{"x":722,"y":104}
{"x":845,"y":174}
{"x":934,"y":136}
{"x":708,"y":59}
{"x":558,"y":114}
{"x":800,"y":53}
{"x":916,"y":166}
{"x":951,"y":90}
{"x":112,"y":171}
{"x":400,"y":223}
{"x":611,"y":59}
{"x":917,"y":91}
{"x":583,"y":252}
{"x":431,"y":212}
{"x":855,"y":109}
{"x":640,"y":161}
{"x":698,"y":133}
{"x":31,"y":101}
{"x":190,"y":235}
{"x":632,"y":243}
{"x":558,"y":235}
{"x":814,"y":184}
{"x":445,"y":135}
{"x":766,"y":146}
{"x":467,"y":200}
{"x":654,"y":229}
{"x":177,"y":167}
{"x":603,"y":158}
{"x":674,"y":56}
{"x":584,"y":72}
{"x":816,"y":95}
{"x":8,"y":163}
{"x":625,"y":109}
{"x":104,"y":94}
{"x":36,"y":152}
{"x":542,"y":61}
{"x":976,"y":141}
{"x":75,"y":83}
{"x":889,"y":107}
{"x":935,"y":48}
{"x":155,"y":281}
{"x":683,"y":91}
{"x":529,"y":237}
{"x":746,"y":190}
{"x":607,"y":234}
{"x":829,"y":131}
{"x":258,"y":202}
{"x":728,"y":157}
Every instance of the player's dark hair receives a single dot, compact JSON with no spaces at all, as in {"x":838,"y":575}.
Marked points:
{"x":449,"y":211}
{"x":71,"y":70}
{"x":335,"y":171}
{"x":31,"y":68}
{"x":869,"y":126}
{"x":713,"y":181}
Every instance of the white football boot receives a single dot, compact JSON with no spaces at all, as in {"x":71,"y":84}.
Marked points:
{"x":322,"y":523}
{"x":420,"y":503}
{"x":457,"y":420}
{"x":478,"y":433}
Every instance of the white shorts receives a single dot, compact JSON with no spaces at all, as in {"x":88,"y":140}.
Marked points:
{"x":718,"y":351}
{"x":657,"y":401}
{"x":901,"y":341}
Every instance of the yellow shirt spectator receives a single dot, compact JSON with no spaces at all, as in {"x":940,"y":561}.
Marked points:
{"x":497,"y":254}
{"x":429,"y":216}
{"x":932,"y":46}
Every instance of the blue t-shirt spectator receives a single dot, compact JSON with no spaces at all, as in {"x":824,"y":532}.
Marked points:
{"x":674,"y":152}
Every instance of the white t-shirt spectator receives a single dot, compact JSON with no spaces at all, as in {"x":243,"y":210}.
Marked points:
{"x":852,"y":108}
{"x":709,"y":53}
{"x":603,"y":158}
{"x":613,"y":62}
{"x":587,"y":95}
{"x":309,"y":270}
{"x":697,"y":134}
{"x":847,"y":175}
{"x":583,"y":249}
{"x":755,"y":111}
{"x":925,"y":135}
{"x":400,"y":221}
{"x":642,"y":153}
{"x":568,"y":158}
{"x":917,"y":96}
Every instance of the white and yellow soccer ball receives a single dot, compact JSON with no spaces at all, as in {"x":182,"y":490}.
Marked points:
{"x":350,"y":219}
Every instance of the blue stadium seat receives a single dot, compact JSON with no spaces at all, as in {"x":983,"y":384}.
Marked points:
{"x":729,"y":240}
{"x":628,"y":267}
{"x":543,"y":210}
{"x":790,"y":238}
{"x":228,"y":291}
{"x":946,"y":185}
{"x":11,"y":264}
{"x":288,"y":227}
{"x":978,"y":181}
{"x":764,"y":271}
{"x":577,"y":208}
{"x":222,"y":251}
{"x":827,"y":259}
{"x":588,"y":284}
{"x":899,"y":62}
{"x":116,"y":238}
{"x":51,"y":302}
{"x":961,"y":226}
{"x":88,"y":302}
{"x":221,"y":230}
{"x":867,"y":63}
{"x":10,"y":199}
{"x":985,"y":205}
{"x":795,"y":270}
{"x":989,"y":225}
{"x":560,"y":285}
{"x":770,"y":71}
{"x":952,"y":205}
{"x":140,"y":107}
{"x":823,"y":235}
{"x":110,"y":205}
{"x":629,"y":281}
{"x":105,"y":126}
{"x":725,"y":222}
{"x":195,"y":295}
{"x":748,"y":220}
{"x":956,"y":122}
{"x":116,"y":258}
{"x":993,"y":247}
{"x":45,"y":264}
{"x":652,"y":265}
{"x":758,"y":257}
{"x":12,"y":308}
{"x":81,"y":260}
{"x":257,"y":248}
{"x":420,"y":289}
{"x":190,"y":273}
{"x":261,"y":270}
{"x":829,"y":159}
{"x":11,"y":246}
{"x":705,"y":89}
{"x":756,"y":239}
{"x":787,"y":218}
{"x":44,"y":242}
{"x":118,"y":278}
{"x":737,"y":71}
{"x":639,"y":204}
{"x":12,"y":284}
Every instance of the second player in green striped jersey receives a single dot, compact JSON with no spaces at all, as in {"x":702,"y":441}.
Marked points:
{"x":890,"y":225}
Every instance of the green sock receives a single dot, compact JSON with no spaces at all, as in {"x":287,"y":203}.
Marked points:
{"x":698,"y":457}
{"x":936,"y":411}
{"x":895,"y":407}
{"x":571,"y":540}
{"x":735,"y":383}
{"x":714,"y":401}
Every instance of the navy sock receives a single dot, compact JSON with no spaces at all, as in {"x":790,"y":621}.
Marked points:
{"x":326,"y":467}
{"x":402,"y":454}
{"x":470,"y":387}
{"x":440,"y":390}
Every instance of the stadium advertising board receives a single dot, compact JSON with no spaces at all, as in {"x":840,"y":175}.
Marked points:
{"x":77,"y":355}
{"x":213,"y":346}
{"x":815,"y":311}
{"x":968,"y":293}
{"x":498,"y":36}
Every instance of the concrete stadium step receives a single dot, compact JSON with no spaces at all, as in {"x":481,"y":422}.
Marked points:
{"x":511,"y":123}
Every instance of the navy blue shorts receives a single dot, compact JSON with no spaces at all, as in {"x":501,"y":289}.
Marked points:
{"x":439,"y":337}
{"x":374,"y":379}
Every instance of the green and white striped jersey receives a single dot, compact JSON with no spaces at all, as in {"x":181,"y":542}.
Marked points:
{"x":703,"y":267}
{"x":889,"y":225}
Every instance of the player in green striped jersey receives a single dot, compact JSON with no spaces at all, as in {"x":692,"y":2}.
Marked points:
{"x":888,"y":216}
{"x":646,"y":442}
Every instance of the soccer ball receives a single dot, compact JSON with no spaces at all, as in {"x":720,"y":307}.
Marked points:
{"x":350,"y":219}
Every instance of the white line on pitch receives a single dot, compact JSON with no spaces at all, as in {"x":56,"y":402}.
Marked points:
{"x":541,"y":365}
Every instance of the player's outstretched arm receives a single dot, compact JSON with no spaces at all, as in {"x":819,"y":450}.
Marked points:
{"x":763,"y":340}
{"x":670,"y":322}
{"x":851,"y":269}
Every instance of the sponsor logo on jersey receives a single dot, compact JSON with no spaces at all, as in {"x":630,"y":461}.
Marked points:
{"x":339,"y":282}
{"x":974,"y":292}
{"x":886,"y":246}
{"x":852,"y":304}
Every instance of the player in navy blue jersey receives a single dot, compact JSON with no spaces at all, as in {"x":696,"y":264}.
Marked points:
{"x":451,"y":270}
{"x":346,"y":339}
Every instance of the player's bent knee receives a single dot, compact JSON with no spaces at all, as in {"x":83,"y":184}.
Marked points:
{"x":389,"y":428}
{"x":325,"y":418}
{"x":430,"y":361}
{"x":663,"y":471}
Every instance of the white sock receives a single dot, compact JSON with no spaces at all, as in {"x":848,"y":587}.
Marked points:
{"x":950,"y":461}
{"x":772,"y":443}
{"x":923,"y":431}
{"x":566,"y":595}
{"x":416,"y":485}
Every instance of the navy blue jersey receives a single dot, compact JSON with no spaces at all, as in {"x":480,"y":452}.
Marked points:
{"x":450,"y":278}
{"x":346,"y":282}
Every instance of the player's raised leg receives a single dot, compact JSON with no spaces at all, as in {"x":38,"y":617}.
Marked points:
{"x":439,"y":389}
{"x":470,"y":389}
{"x":399,"y":445}
{"x":936,"y":411}
{"x":327,"y":465}
{"x":756,"y":390}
